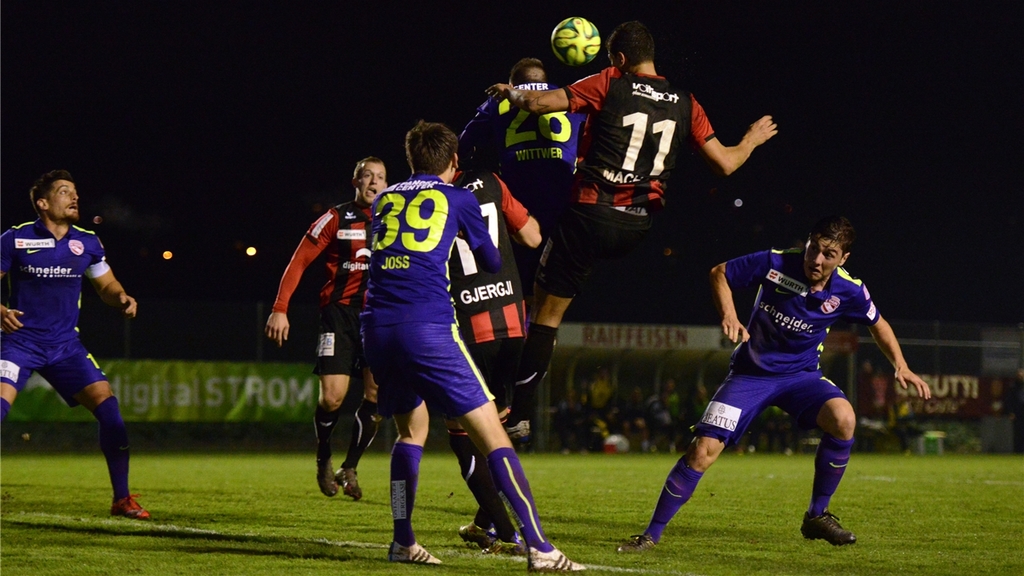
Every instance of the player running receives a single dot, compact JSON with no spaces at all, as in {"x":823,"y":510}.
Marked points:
{"x":536,"y":156}
{"x":800,"y":295}
{"x":413,"y":343}
{"x":341,"y":233}
{"x":636,"y":124}
{"x":46,"y":260}
{"x":490,"y":314}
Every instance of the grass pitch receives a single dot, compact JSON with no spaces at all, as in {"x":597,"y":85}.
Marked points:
{"x":256,"y":514}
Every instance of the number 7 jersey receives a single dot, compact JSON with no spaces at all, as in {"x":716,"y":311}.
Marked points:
{"x":414,"y":227}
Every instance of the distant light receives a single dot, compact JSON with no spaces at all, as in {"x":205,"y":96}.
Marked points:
{"x":168,"y":255}
{"x":667,"y":251}
{"x":97,"y":219}
{"x":250,"y":251}
{"x":737,"y":202}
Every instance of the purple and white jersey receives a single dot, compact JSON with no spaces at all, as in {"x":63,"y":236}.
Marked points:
{"x":789,"y":323}
{"x":46,"y":279}
{"x":414,"y":227}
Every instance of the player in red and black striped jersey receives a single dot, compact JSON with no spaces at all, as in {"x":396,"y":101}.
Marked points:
{"x":489,"y":308}
{"x":341,"y":234}
{"x":636,"y":125}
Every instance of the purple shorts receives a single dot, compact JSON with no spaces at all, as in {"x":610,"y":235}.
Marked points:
{"x":68,"y":367}
{"x":741,"y":398}
{"x":419,"y":361}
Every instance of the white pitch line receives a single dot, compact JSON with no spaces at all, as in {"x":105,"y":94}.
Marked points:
{"x":341,"y":544}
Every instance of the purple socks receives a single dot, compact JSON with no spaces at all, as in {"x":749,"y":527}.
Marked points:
{"x":405,"y":472}
{"x":508,"y":476}
{"x":829,"y":464}
{"x":678,"y":488}
{"x":114,"y":444}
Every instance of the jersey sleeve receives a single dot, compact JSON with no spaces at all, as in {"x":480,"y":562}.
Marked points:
{"x":324,"y":230}
{"x":6,"y":250}
{"x":516,"y":215}
{"x":701,"y":131}
{"x":748,"y":270}
{"x":588,"y":94}
{"x":97,"y":259}
{"x":474,"y":136}
{"x":862,"y":309}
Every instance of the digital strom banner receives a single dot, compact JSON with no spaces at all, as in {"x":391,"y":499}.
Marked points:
{"x":185,"y":391}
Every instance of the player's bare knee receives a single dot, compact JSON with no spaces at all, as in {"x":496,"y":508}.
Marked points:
{"x":702,"y":453}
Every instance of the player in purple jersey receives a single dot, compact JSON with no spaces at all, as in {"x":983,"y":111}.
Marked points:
{"x":412,"y":341}
{"x":636,"y":124}
{"x":800,"y":295}
{"x":536,"y":155}
{"x":46,"y":260}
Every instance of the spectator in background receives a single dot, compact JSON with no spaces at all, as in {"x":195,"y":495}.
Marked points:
{"x":1015,"y":409}
{"x":571,"y":422}
{"x":632,"y":420}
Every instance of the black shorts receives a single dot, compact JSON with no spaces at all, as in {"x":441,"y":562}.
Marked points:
{"x":587,"y":233}
{"x":497,"y":361}
{"x":339,"y":349}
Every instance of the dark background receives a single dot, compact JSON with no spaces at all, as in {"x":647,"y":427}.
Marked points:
{"x":206,"y":127}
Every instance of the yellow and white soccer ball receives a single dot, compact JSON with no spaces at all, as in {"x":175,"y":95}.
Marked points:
{"x":575,"y":41}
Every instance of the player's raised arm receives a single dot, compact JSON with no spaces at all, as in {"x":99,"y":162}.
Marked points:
{"x":533,"y":101}
{"x":725,"y":160}
{"x":113,"y":294}
{"x":887,"y":343}
{"x":733,"y":329}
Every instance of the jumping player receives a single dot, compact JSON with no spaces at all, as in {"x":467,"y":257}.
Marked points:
{"x":491,"y":316}
{"x":46,"y":260}
{"x":413,"y":343}
{"x":341,"y":233}
{"x":536,"y":156}
{"x":799,"y":297}
{"x":636,"y":124}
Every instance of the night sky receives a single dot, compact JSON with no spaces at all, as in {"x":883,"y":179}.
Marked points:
{"x":206,"y":127}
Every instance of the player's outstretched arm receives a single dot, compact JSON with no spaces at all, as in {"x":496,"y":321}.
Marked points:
{"x":533,"y":101}
{"x":886,"y":340}
{"x":113,"y":294}
{"x":529,"y":235}
{"x":725,"y":160}
{"x":733,"y":329}
{"x":9,"y":317}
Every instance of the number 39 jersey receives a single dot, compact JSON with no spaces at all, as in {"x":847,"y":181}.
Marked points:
{"x":414,"y":226}
{"x":489,"y":306}
{"x":636,"y":126}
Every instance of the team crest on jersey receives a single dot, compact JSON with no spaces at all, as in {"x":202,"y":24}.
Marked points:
{"x":831,"y":305}
{"x":76,"y":246}
{"x":351,"y":234}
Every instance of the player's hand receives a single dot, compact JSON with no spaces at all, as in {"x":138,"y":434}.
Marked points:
{"x":499,"y":91}
{"x":904,"y":375}
{"x":128,"y":305}
{"x":761,"y":131}
{"x":277,"y":328}
{"x":9,"y":320}
{"x":734,"y":330}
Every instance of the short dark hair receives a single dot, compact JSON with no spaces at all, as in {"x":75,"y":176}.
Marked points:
{"x":527,"y":70}
{"x":362,"y":164}
{"x":430,"y":147}
{"x":634,"y":40}
{"x":43,"y":185}
{"x":835,"y":229}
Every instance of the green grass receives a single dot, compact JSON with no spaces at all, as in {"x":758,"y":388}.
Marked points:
{"x":262,"y":514}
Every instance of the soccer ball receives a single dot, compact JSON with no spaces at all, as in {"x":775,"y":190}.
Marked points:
{"x":575,"y":41}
